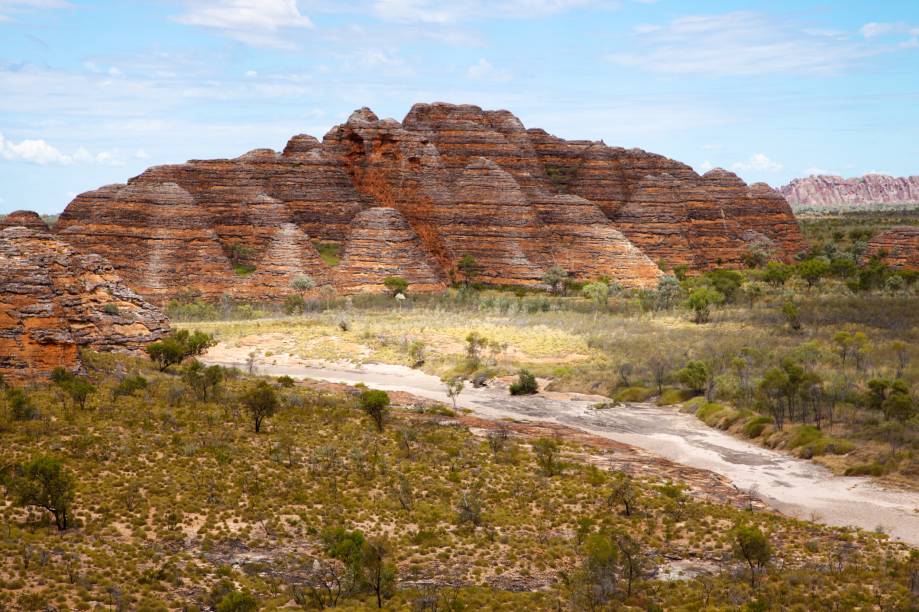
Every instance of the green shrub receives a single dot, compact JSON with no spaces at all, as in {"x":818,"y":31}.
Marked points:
{"x":633,"y":394}
{"x":111,"y":310}
{"x":755,"y":426}
{"x":804,"y":434}
{"x":867,"y":469}
{"x":674,"y":396}
{"x":525,"y":384}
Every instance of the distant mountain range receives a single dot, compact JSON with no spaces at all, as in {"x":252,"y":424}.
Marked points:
{"x":834,"y":192}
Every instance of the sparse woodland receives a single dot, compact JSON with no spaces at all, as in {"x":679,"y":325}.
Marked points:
{"x":154,"y":484}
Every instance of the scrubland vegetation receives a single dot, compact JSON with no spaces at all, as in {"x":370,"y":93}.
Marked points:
{"x":818,"y":358}
{"x":204,"y":488}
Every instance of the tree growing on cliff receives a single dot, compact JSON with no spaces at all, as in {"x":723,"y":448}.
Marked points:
{"x":45,"y":483}
{"x":302,"y":283}
{"x":261,"y":402}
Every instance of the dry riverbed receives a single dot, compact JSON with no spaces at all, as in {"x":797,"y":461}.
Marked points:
{"x":669,"y":443}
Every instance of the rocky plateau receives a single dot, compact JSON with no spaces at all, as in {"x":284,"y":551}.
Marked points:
{"x":834,"y":192}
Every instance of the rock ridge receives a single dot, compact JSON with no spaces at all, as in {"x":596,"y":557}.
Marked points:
{"x":447,"y":181}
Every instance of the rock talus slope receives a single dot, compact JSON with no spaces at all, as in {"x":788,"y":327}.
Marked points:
{"x":827,"y":191}
{"x":411,"y":199}
{"x":54,"y":301}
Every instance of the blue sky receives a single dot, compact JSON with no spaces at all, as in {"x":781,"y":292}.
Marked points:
{"x":92,"y":92}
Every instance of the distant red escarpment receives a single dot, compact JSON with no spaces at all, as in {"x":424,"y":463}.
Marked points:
{"x":411,"y":199}
{"x":826,"y":191}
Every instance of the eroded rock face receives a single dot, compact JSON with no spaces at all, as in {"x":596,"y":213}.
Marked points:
{"x":54,"y":301}
{"x":826,"y":191}
{"x":897,"y":247}
{"x":24,"y":218}
{"x":453,"y":180}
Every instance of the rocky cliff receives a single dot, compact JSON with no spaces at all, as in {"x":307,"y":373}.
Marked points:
{"x":837,"y":192}
{"x":898,"y":247}
{"x":411,"y":199}
{"x":23,"y":218}
{"x":54,"y":301}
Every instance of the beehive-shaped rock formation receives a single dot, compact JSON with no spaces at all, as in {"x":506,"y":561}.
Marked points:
{"x":897,"y":247}
{"x":454,"y":180}
{"x":54,"y":300}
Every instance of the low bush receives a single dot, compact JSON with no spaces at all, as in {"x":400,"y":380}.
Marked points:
{"x":634,"y":394}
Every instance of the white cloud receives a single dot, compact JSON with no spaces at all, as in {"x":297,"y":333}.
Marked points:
{"x":254,"y":22}
{"x":758,"y":162}
{"x":741,"y":44}
{"x":40,"y":152}
{"x":11,"y":8}
{"x":483,"y":70}
{"x":453,"y":11}
{"x":819,"y":172}
{"x":870,"y":30}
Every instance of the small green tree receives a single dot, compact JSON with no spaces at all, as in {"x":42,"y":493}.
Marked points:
{"x":395,"y":285}
{"x":776,"y":273}
{"x":812,"y":270}
{"x":751,"y":545}
{"x":597,"y":292}
{"x":302,"y":283}
{"x":547,"y":453}
{"x":261,"y":401}
{"x":792,"y":315}
{"x":201,"y":379}
{"x":694,"y":376}
{"x":238,"y":601}
{"x":469,"y":268}
{"x":455,"y":386}
{"x":624,"y":493}
{"x":525,"y":384}
{"x":379,"y":572}
{"x":375,"y":403}
{"x":44,"y":482}
{"x":555,"y":278}
{"x":177,"y":346}
{"x":701,"y":300}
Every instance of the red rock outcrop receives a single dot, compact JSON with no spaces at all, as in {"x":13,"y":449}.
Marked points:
{"x":826,"y":191}
{"x":24,"y":218}
{"x":54,"y":301}
{"x":381,"y":244}
{"x":456,"y":180}
{"x":897,"y":247}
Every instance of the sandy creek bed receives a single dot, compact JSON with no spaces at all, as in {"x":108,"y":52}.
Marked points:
{"x":793,"y":486}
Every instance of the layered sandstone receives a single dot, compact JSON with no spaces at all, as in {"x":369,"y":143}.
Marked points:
{"x":24,"y":218}
{"x":411,"y":199}
{"x":825,"y":191}
{"x":897,"y":247}
{"x":54,"y":301}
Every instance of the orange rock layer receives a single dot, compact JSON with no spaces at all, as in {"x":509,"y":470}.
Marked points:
{"x":54,"y":301}
{"x":411,"y":199}
{"x":897,"y":247}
